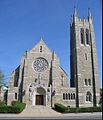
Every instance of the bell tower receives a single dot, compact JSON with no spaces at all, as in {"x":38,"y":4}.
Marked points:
{"x":83,"y":61}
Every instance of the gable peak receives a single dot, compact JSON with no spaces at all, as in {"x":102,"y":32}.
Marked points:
{"x":41,"y":40}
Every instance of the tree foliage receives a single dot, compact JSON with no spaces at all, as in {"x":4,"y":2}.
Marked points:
{"x":1,"y":78}
{"x":101,"y":92}
{"x":100,"y":102}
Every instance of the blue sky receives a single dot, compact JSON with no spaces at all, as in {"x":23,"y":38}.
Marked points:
{"x":23,"y":22}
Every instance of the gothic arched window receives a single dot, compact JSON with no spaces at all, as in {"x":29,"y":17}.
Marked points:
{"x":86,"y":82}
{"x":87,"y":36}
{"x":69,"y":96}
{"x":66,"y":96}
{"x":40,"y":48}
{"x":82,"y":35}
{"x":15,"y":95}
{"x":88,"y":96}
{"x":73,"y":95}
{"x":89,"y":81}
{"x":63,"y":96}
{"x":86,"y":56}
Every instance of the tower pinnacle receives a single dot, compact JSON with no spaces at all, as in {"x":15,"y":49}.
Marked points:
{"x":71,"y":20}
{"x":41,"y":38}
{"x":75,"y":17}
{"x":89,"y":16}
{"x":75,"y":12}
{"x":89,"y":13}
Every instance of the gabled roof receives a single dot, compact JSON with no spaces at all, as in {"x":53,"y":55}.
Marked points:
{"x":40,"y":43}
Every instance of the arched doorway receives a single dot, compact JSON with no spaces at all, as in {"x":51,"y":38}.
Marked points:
{"x":40,"y":96}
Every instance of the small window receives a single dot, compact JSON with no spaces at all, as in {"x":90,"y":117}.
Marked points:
{"x":40,"y":48}
{"x":62,"y":79}
{"x":86,"y":82}
{"x":30,"y":90}
{"x":69,"y":96}
{"x":36,"y":80}
{"x":86,"y":56}
{"x":15,"y":95}
{"x":48,"y":90}
{"x":73,"y":95}
{"x":82,"y":36}
{"x":66,"y":96}
{"x":63,"y":96}
{"x":88,"y":97}
{"x":87,"y":36}
{"x":89,"y":81}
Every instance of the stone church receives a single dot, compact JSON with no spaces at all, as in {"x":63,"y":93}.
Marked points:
{"x":40,"y":80}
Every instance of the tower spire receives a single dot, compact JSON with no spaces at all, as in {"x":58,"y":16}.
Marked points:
{"x":75,"y":11}
{"x":75,"y":16}
{"x":71,"y":20}
{"x":89,"y":16}
{"x":89,"y":13}
{"x":41,"y":38}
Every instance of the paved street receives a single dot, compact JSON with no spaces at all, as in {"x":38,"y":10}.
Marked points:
{"x":69,"y":116}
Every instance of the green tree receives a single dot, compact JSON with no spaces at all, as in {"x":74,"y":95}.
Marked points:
{"x":101,"y":92}
{"x":100,"y":102}
{"x":1,"y":79}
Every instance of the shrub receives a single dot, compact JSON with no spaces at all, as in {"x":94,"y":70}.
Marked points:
{"x":3,"y":109}
{"x":9,"y":109}
{"x":2,"y":103}
{"x":60,"y":107}
{"x":15,"y":103}
{"x":97,"y":109}
{"x":90,"y":109}
{"x":71,"y":110}
{"x":68,"y":106}
{"x":83,"y":110}
{"x":17,"y":107}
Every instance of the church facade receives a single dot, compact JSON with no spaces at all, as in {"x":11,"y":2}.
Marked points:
{"x":40,"y":80}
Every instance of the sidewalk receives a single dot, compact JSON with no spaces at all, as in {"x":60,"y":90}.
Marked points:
{"x":49,"y":115}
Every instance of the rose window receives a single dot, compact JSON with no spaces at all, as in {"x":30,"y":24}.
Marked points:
{"x":40,"y":65}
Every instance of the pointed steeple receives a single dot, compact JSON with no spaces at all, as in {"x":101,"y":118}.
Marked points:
{"x":41,"y":38}
{"x":71,"y":21}
{"x":75,"y":12}
{"x":25,"y":53}
{"x":53,"y":55}
{"x":89,"y":13}
{"x":75,"y":16}
{"x":89,"y":16}
{"x":41,"y":45}
{"x":55,"y":58}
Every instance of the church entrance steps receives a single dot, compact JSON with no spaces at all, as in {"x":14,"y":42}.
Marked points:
{"x":39,"y":110}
